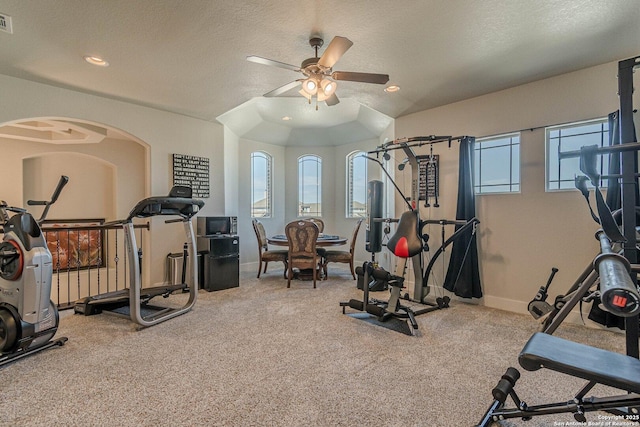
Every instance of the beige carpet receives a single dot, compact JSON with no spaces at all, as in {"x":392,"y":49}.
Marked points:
{"x":265,"y":355}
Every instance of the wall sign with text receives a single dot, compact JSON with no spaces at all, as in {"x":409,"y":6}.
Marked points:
{"x":428,"y":176}
{"x":192,"y":171}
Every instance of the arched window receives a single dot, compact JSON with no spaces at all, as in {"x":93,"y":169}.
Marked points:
{"x":356,"y":185}
{"x":309,"y":186}
{"x":260,"y":184}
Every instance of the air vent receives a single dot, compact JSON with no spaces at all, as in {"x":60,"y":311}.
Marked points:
{"x":5,"y":23}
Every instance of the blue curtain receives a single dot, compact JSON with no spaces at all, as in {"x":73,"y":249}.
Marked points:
{"x":463,"y":274}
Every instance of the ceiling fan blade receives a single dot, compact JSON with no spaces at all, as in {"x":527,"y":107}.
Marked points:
{"x":361,"y":77}
{"x":283,"y":89}
{"x":335,"y":50}
{"x":332,"y":100}
{"x":271,"y":62}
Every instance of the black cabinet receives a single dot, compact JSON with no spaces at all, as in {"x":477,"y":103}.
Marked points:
{"x":220,"y":262}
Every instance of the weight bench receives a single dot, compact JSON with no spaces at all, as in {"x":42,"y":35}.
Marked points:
{"x":595,"y":365}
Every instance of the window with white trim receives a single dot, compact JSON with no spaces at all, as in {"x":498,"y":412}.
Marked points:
{"x":561,"y":173}
{"x":309,"y":186}
{"x":497,"y":164}
{"x":356,"y":185}
{"x":261,"y":184}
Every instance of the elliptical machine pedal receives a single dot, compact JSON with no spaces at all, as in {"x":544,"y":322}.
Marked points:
{"x":28,"y":318}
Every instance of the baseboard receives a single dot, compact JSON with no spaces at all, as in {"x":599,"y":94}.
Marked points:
{"x":252,"y":268}
{"x":514,"y":306}
{"x":574,"y":317}
{"x":249,"y":267}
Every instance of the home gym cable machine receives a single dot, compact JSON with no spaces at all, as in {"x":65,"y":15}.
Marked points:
{"x":408,"y":241}
{"x":617,"y":275}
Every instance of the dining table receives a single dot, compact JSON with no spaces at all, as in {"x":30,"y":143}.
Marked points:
{"x":323,"y":240}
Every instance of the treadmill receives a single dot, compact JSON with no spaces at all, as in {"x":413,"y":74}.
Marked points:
{"x":134,"y":301}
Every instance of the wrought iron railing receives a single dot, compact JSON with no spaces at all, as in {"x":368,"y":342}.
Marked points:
{"x":88,"y":259}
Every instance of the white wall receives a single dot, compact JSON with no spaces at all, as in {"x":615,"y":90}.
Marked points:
{"x":92,"y":181}
{"x":523,"y":235}
{"x":231,"y":173}
{"x":164,"y":133}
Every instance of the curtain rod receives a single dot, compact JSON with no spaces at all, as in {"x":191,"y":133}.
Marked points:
{"x":558,"y":124}
{"x":416,"y":141}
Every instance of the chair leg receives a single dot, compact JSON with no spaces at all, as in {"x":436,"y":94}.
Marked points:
{"x":324,"y":269}
{"x":266,"y":263}
{"x":353,"y":273}
{"x":286,"y":268}
{"x":259,"y":268}
{"x":290,"y":273}
{"x":315,"y":274}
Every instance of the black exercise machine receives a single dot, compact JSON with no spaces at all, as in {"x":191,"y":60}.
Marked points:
{"x":616,"y":272}
{"x":538,"y":306}
{"x":543,"y":350}
{"x":408,"y":242}
{"x":404,"y":244}
{"x":134,"y":302}
{"x":585,"y":289}
{"x":462,"y":227}
{"x":28,"y":317}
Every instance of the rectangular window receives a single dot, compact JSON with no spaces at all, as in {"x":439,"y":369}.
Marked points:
{"x":497,"y":164}
{"x":562,"y":172}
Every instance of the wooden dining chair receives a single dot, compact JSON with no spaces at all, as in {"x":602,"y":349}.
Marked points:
{"x":343,"y":256}
{"x":302,"y":237}
{"x":264,"y":254}
{"x":318,"y":222}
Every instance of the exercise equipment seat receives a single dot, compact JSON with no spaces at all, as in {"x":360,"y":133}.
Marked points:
{"x":582,"y":361}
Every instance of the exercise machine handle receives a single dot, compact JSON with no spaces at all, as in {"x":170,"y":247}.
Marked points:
{"x":64,"y":180}
{"x":554,"y":270}
{"x":618,"y":292}
{"x":56,"y":193}
{"x":542,"y":292}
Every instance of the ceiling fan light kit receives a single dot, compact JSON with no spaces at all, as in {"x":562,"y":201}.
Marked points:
{"x":310,"y":85}
{"x":328,"y":86}
{"x":320,"y":79}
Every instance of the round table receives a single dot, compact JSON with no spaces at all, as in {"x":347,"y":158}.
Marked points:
{"x":323,"y":240}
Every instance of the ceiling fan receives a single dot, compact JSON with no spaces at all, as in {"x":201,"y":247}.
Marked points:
{"x":319,"y":78}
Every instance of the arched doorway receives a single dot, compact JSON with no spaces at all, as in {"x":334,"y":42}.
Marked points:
{"x":108,"y":173}
{"x":108,"y":168}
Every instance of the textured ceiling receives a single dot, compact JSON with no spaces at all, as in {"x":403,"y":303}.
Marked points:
{"x":188,"y":56}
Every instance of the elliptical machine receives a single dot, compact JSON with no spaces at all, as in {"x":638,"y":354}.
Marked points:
{"x":28,"y":317}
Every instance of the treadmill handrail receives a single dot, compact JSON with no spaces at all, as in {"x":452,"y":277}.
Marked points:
{"x":163,"y":205}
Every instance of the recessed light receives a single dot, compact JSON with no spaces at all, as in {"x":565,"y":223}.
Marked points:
{"x":392,"y":88}
{"x":286,"y":118}
{"x":96,"y":60}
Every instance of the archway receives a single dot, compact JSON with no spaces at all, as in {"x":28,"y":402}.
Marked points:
{"x":100,"y":158}
{"x":108,"y":173}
